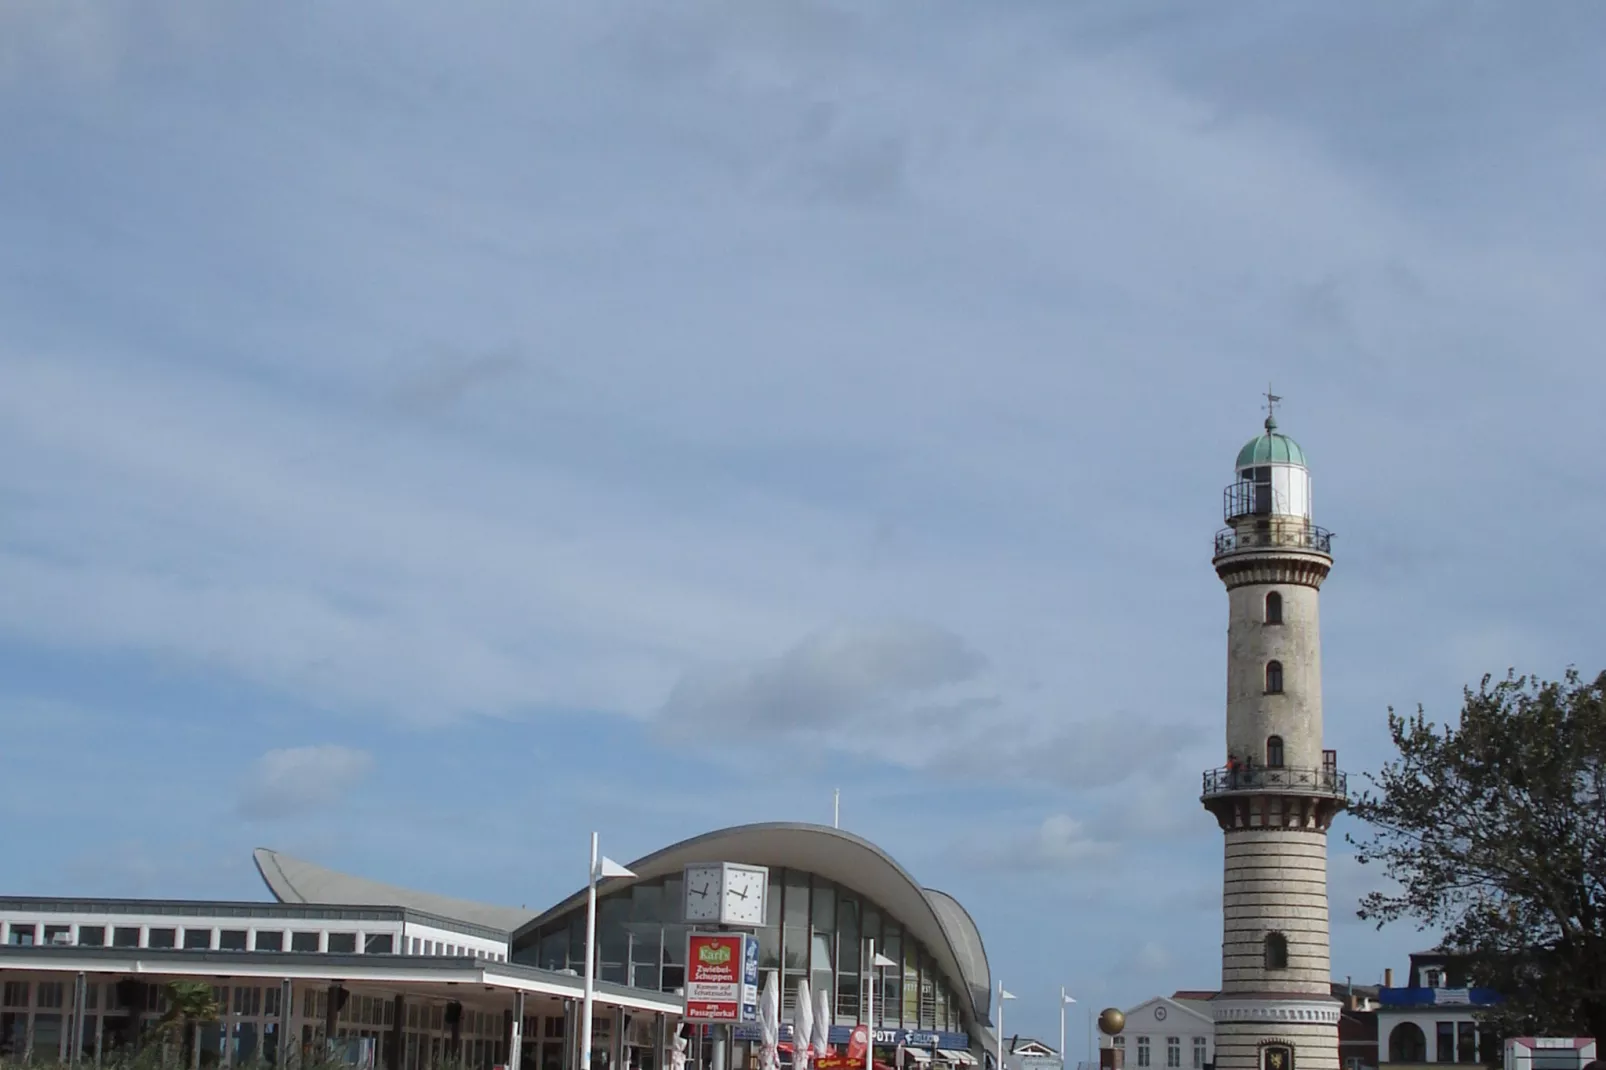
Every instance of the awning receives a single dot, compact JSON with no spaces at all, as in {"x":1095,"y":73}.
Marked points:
{"x":919,"y":1055}
{"x":960,"y":1058}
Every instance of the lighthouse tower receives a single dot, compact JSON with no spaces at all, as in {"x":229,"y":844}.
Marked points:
{"x":1279,"y":791}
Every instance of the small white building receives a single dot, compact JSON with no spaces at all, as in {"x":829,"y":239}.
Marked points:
{"x":1028,"y":1053}
{"x":1433,"y":1018}
{"x":1169,"y":1033}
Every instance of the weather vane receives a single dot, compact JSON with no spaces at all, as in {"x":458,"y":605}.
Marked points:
{"x":1271,"y":407}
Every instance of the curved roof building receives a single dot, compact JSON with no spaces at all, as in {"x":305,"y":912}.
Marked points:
{"x":829,"y":893}
{"x":292,"y":880}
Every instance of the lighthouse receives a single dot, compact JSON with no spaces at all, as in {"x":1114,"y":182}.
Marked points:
{"x":1279,"y":790}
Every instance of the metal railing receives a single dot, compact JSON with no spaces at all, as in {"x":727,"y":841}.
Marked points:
{"x":1279,"y":536}
{"x":1285,"y":778}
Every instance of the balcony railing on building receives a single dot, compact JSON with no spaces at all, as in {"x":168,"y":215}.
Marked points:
{"x":1281,"y":535}
{"x":1325,"y":781}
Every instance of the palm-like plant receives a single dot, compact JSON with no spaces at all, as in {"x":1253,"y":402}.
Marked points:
{"x":189,"y":1004}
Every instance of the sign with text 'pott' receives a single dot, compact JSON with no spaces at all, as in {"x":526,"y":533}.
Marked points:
{"x":721,"y":977}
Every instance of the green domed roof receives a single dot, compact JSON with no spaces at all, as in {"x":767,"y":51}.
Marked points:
{"x":1273,"y":447}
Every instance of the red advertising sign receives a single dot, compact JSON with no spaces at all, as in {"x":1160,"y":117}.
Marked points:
{"x":718,"y":988}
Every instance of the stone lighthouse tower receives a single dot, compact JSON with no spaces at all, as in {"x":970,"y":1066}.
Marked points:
{"x":1279,"y":790}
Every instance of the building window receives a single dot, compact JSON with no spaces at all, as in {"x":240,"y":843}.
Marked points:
{"x":1276,"y":951}
{"x":23,"y":935}
{"x":1274,"y":752}
{"x":197,"y":939}
{"x":378,"y":944}
{"x":1432,"y":978}
{"x":1274,"y":608}
{"x":91,"y":936}
{"x":342,"y":943}
{"x":270,"y":941}
{"x":1274,"y":677}
{"x":1143,"y":1051}
{"x":1173,"y":1053}
{"x":231,"y":940}
{"x":125,"y":936}
{"x":303,"y":941}
{"x":1466,"y":1042}
{"x":1200,"y":1050}
{"x":1444,"y":1047}
{"x":58,"y":934}
{"x":162,"y":938}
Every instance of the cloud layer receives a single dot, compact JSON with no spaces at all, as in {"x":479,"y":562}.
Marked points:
{"x":518,"y":387}
{"x":294,"y":781}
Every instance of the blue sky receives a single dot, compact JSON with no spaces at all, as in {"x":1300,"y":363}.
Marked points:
{"x":434,"y":432}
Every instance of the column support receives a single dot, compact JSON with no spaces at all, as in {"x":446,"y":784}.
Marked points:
{"x":514,"y":1059}
{"x":331,"y":1015}
{"x":289,"y":1043}
{"x":397,"y":1036}
{"x":75,"y":1043}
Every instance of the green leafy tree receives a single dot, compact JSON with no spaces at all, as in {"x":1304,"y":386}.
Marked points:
{"x":1494,"y":830}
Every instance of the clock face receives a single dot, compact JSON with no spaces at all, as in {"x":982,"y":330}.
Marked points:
{"x":744,"y":896}
{"x":704,"y":892}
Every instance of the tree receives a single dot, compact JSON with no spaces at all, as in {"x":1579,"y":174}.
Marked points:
{"x":1495,"y":832}
{"x":189,"y":1004}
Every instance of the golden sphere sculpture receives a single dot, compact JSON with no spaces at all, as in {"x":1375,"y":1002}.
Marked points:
{"x":1111,"y":1021}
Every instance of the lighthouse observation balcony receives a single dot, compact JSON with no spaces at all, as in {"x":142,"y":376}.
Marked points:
{"x":1327,"y":781}
{"x":1276,"y":536}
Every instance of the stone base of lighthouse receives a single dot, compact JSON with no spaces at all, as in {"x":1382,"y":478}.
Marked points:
{"x":1276,"y":1010}
{"x":1276,"y":1034}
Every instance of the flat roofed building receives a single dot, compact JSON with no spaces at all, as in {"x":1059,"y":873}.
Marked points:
{"x":424,"y":979}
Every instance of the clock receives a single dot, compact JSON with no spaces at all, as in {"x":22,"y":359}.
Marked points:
{"x":728,"y":893}
{"x":744,"y":895}
{"x":705,"y":891}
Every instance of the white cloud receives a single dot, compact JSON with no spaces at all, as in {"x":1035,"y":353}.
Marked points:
{"x":297,"y":780}
{"x":1060,"y":842}
{"x":1151,"y":957}
{"x":853,"y":674}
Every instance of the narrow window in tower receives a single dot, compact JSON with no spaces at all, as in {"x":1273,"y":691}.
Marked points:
{"x":1274,"y":752}
{"x":1274,"y":608}
{"x":1274,"y":677}
{"x":1276,"y":951}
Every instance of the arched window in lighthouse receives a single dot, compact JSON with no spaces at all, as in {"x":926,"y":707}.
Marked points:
{"x":1274,"y":677}
{"x":1274,"y":608}
{"x":1276,"y":951}
{"x":1274,"y":752}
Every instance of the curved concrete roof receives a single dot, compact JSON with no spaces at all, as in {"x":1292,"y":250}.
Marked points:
{"x":292,"y":880}
{"x":966,"y":938}
{"x":935,"y":918}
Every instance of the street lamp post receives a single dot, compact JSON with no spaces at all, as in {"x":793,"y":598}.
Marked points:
{"x":601,"y":868}
{"x":877,"y":962}
{"x":1065,"y":1001}
{"x":1002,"y":996}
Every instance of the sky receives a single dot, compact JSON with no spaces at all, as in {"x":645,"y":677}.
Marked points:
{"x":432,"y":433}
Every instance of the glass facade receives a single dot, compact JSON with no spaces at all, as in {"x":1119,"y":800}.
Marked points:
{"x":816,"y":929}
